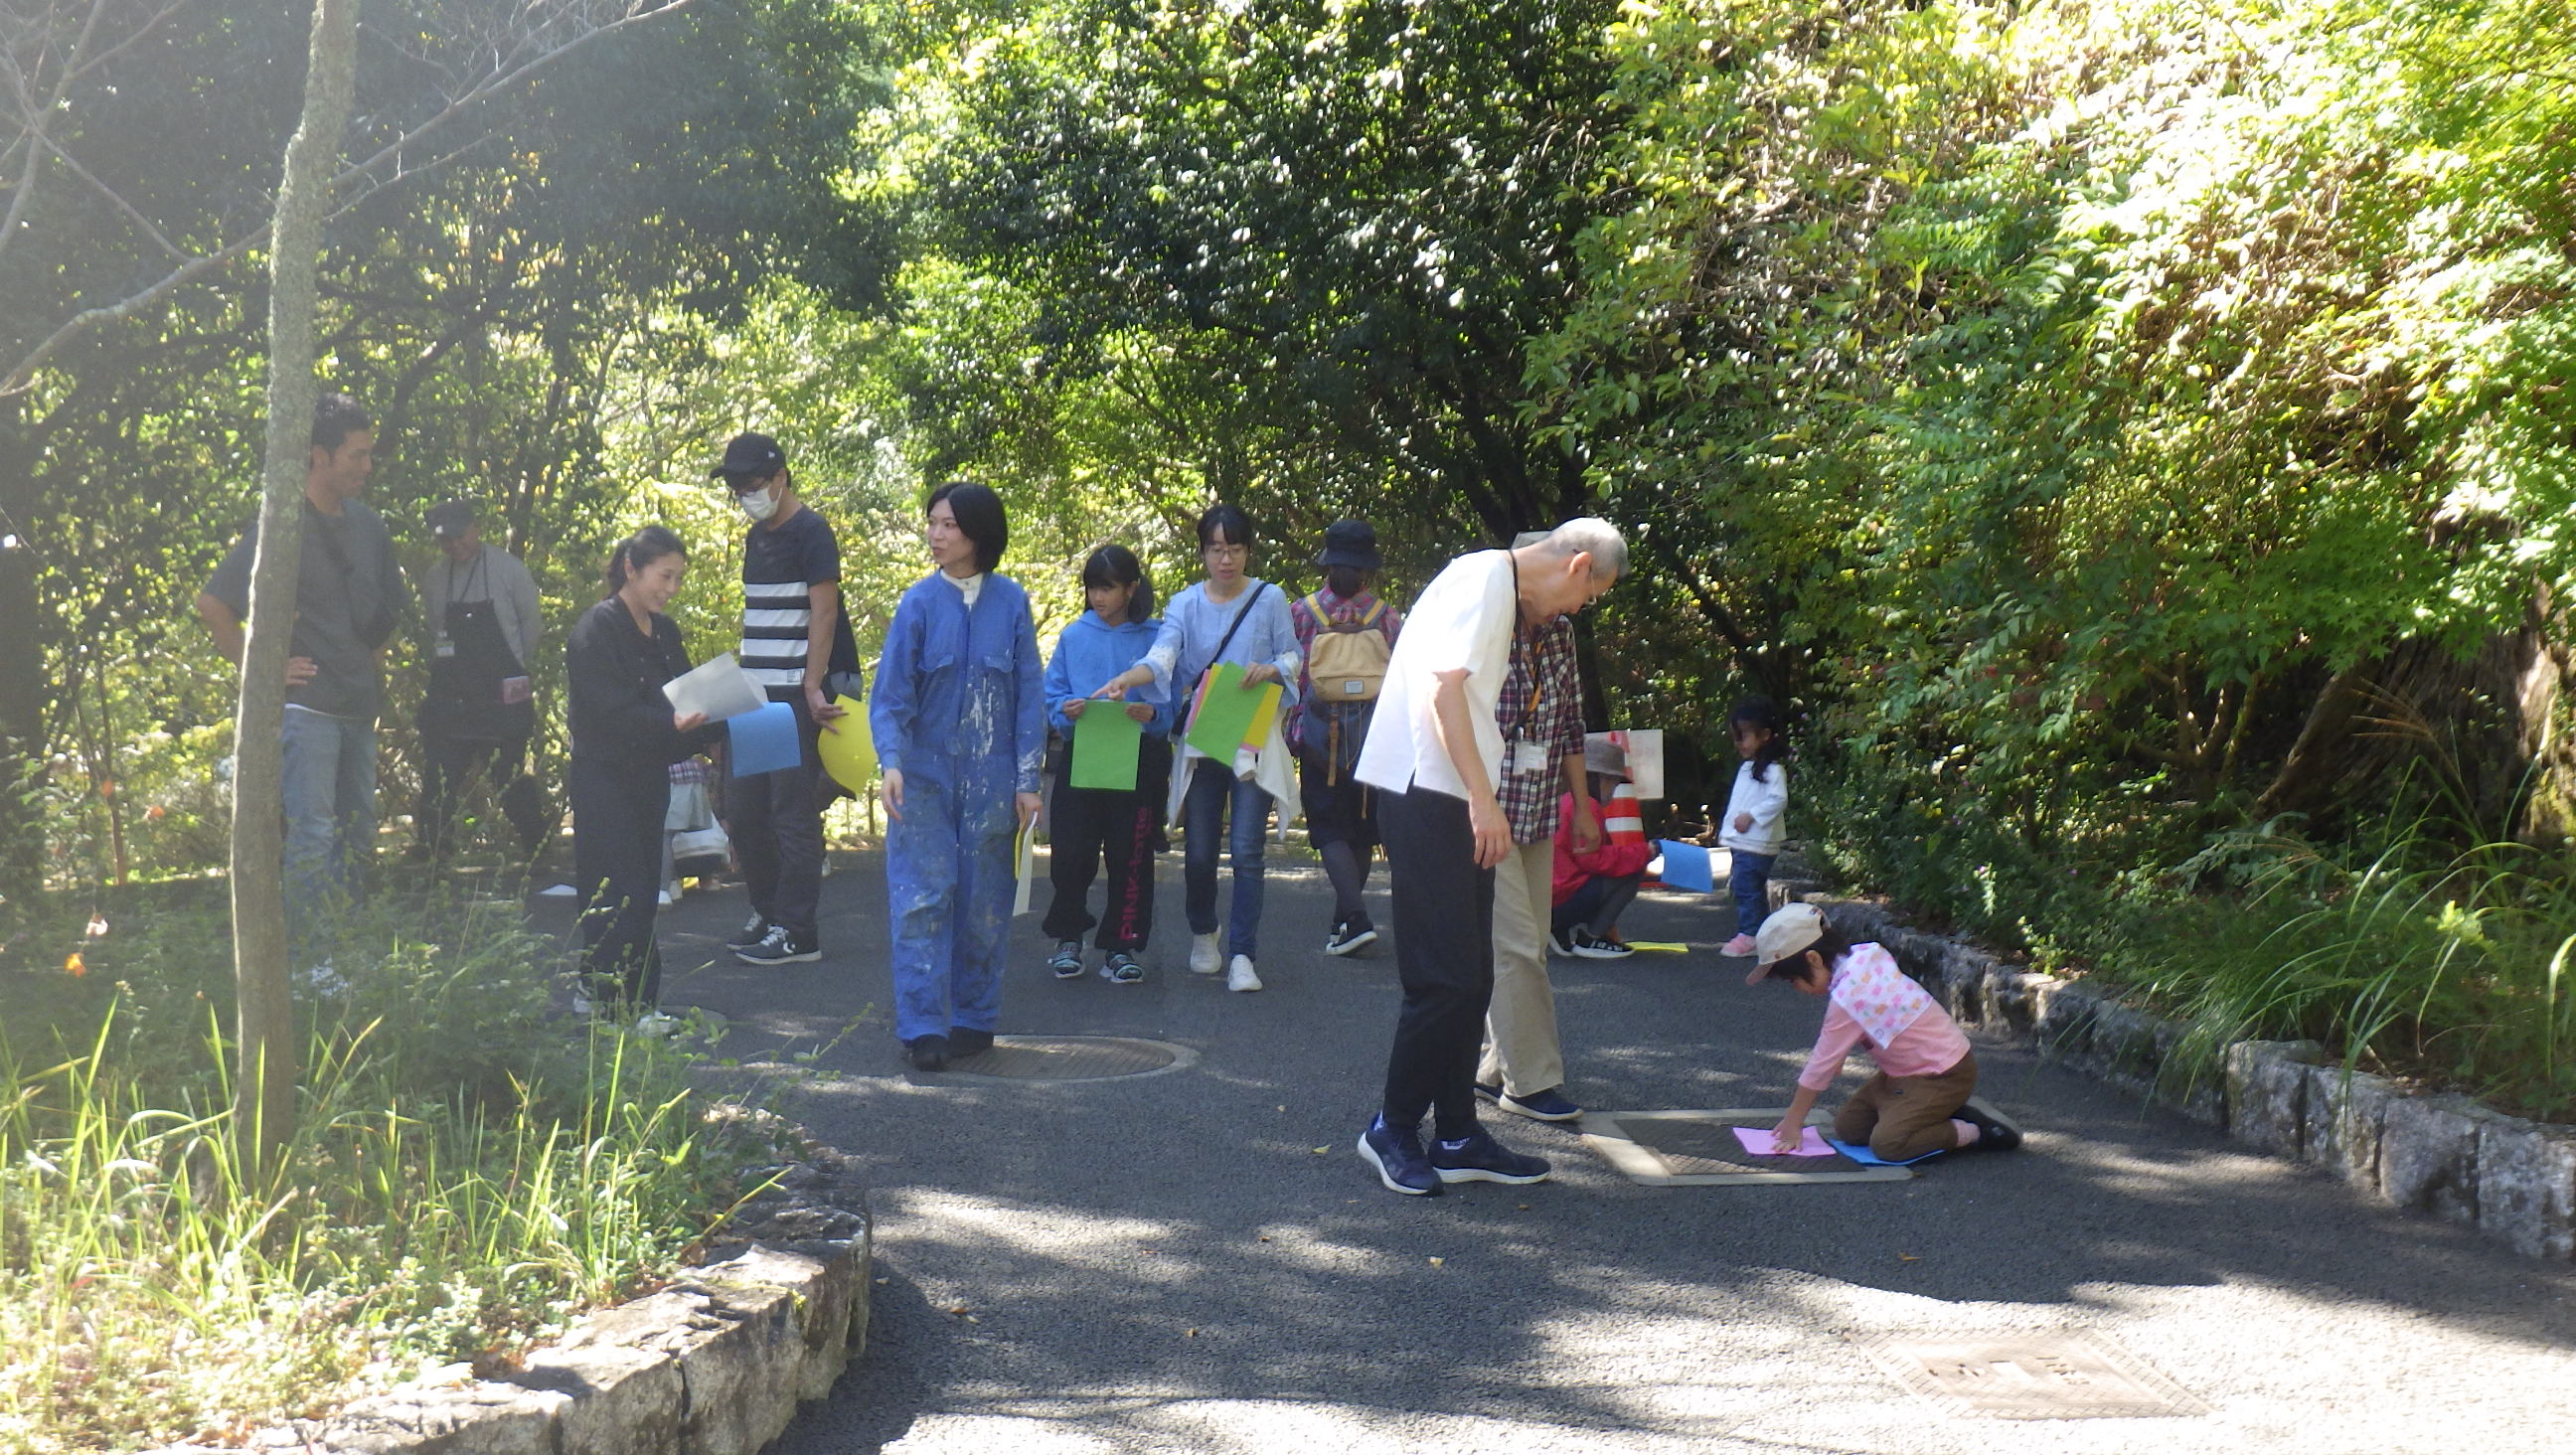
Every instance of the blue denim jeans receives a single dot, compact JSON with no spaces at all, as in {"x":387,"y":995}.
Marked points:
{"x":1750,"y":882}
{"x":329,"y":795}
{"x":1213,"y":787}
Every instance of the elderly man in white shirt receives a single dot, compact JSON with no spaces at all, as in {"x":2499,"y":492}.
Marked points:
{"x":1435,"y":753}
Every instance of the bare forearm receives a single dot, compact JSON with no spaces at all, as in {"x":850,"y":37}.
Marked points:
{"x":1449,"y":717}
{"x":223,"y":626}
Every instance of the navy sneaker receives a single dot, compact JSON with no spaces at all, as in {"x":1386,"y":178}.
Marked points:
{"x":1398,"y":1158}
{"x":781,"y":946}
{"x":1583,"y":944}
{"x":754,"y":930}
{"x":928,"y":1053}
{"x":1489,"y":1093}
{"x":1122,"y":969}
{"x":1477,"y":1157}
{"x":1541,"y":1106}
{"x":1066,"y":962}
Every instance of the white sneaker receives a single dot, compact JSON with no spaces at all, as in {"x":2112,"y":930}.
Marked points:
{"x":1203,"y":955}
{"x":655,"y":1024}
{"x":557,"y":891}
{"x":1239,"y":975}
{"x":664,"y":900}
{"x":583,"y":1005}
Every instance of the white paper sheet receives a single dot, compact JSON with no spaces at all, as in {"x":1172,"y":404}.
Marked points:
{"x":717,"y":687}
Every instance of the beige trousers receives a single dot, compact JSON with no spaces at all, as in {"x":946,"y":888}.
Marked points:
{"x":1520,"y":1025}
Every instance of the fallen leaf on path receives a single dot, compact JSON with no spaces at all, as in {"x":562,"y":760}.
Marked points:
{"x":1907,"y":1258}
{"x":1436,"y":1262}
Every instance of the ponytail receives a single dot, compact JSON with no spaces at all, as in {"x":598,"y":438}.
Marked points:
{"x":638,"y":551}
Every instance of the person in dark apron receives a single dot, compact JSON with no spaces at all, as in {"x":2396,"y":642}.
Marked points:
{"x":480,"y":710}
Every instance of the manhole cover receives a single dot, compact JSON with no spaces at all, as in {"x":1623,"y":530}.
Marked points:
{"x":1069,"y":1058}
{"x":2030,"y":1376}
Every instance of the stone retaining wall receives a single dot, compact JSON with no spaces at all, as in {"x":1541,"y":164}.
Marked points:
{"x":713,"y":1364}
{"x":2509,"y":1177}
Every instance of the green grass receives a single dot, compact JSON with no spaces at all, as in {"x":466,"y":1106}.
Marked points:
{"x":465,"y":1177}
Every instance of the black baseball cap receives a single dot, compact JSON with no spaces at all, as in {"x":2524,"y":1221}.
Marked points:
{"x":451,"y":517}
{"x":1350,"y":543}
{"x":749,"y":457}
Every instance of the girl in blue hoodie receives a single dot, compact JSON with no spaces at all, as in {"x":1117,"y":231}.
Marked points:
{"x":1088,"y":824}
{"x":960,"y":726}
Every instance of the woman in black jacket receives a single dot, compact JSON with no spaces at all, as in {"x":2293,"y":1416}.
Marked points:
{"x":625,"y":737}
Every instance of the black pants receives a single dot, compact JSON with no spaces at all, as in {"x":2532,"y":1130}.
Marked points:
{"x":617,"y":812}
{"x":1598,"y":904}
{"x":449,"y":767}
{"x":1444,"y":957}
{"x":1089,"y":824}
{"x":777,"y":825}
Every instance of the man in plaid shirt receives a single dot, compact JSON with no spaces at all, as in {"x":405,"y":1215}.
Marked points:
{"x":1523,"y":1069}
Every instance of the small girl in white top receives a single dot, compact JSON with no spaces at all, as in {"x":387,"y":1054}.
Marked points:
{"x":1751,"y":830}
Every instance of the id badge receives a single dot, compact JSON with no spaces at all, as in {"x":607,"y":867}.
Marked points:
{"x":446,"y":648}
{"x":1528,"y":757}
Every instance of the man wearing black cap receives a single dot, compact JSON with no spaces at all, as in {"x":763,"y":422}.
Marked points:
{"x":796,"y":643}
{"x":483,"y":614}
{"x":1354,"y":633}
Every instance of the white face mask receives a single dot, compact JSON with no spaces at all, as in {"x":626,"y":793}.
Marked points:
{"x":760,"y":505}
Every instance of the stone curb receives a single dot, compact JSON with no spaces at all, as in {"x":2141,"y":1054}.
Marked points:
{"x":713,"y":1364}
{"x":2510,"y":1178}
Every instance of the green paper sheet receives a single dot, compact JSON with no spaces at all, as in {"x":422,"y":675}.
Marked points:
{"x":1227,"y":713}
{"x":1106,"y":742}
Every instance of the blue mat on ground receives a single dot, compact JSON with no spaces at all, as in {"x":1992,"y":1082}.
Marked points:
{"x":1860,"y":1152}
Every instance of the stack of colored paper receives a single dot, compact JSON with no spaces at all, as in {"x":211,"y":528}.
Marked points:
{"x":1227,"y":715}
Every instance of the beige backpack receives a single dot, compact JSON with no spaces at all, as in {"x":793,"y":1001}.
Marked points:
{"x":1347,"y":662}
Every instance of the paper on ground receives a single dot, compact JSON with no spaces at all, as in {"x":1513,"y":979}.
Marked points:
{"x":717,"y":687}
{"x":1757,"y":1141}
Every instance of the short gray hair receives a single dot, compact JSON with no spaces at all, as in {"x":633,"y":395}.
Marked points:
{"x":1593,"y":536}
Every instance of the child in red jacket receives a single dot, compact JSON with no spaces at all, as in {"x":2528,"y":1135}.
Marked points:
{"x":1593,"y":889}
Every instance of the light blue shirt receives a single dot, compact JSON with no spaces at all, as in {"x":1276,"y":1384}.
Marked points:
{"x":1193,"y":625}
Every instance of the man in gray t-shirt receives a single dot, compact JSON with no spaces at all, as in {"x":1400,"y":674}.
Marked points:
{"x":348,"y":596}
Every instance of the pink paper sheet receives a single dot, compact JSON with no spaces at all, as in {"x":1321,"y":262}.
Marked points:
{"x":1757,"y":1140}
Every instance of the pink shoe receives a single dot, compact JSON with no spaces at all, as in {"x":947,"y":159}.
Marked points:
{"x":1737,"y":948}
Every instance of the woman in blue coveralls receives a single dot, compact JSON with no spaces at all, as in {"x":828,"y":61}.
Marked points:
{"x":960,"y":725}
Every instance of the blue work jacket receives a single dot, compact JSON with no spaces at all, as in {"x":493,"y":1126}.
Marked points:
{"x":958,"y":690}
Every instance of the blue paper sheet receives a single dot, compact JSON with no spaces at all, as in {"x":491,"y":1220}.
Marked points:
{"x":1860,"y":1152}
{"x":1686,"y":867}
{"x":764,"y":741}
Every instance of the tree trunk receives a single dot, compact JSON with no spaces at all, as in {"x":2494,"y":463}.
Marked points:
{"x":264,"y":1089}
{"x":22,"y":670}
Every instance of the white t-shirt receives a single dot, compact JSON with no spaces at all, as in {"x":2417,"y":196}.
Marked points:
{"x":1464,"y":619}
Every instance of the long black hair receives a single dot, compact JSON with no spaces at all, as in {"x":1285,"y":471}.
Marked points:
{"x":1757,"y":711}
{"x":638,"y":551}
{"x":1115,"y":565}
{"x":979,"y":515}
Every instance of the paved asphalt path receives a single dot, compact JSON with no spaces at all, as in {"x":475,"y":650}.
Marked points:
{"x":1197,"y":1261}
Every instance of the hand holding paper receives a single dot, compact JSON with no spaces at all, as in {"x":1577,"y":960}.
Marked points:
{"x":1763,"y":1142}
{"x":716,"y":687}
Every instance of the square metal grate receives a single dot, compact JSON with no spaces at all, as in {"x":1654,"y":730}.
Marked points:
{"x":2030,"y":1375}
{"x":1698,"y":1149}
